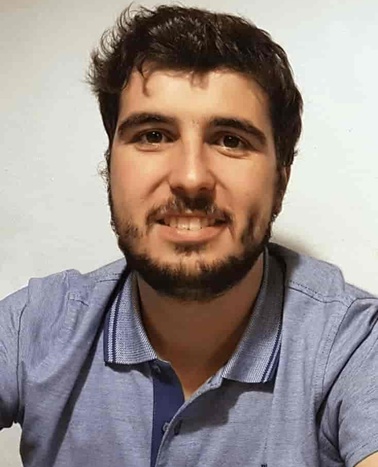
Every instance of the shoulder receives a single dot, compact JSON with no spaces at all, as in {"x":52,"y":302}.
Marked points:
{"x":58,"y":284}
{"x":45,"y":305}
{"x":317,"y":279}
{"x":331,"y":319}
{"x":319,"y":302}
{"x":73,"y":283}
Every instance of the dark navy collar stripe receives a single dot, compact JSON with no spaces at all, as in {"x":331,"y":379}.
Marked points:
{"x":254,"y":360}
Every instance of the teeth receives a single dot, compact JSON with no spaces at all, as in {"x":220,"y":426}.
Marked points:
{"x":183,"y":223}
{"x":195,"y":224}
{"x":173,"y":222}
{"x":189,"y":223}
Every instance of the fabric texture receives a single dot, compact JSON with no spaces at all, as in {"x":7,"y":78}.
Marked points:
{"x":76,"y":371}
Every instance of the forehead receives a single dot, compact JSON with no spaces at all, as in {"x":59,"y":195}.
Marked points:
{"x":196,"y":96}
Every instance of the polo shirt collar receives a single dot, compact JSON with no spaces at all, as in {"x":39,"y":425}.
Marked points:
{"x":256,"y":356}
{"x":126,"y":341}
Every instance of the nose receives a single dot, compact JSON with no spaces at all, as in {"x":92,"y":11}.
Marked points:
{"x":190,"y":173}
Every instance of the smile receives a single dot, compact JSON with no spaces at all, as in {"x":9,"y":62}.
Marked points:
{"x":189,"y":229}
{"x":189,"y":223}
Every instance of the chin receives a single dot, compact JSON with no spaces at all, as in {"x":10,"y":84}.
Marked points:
{"x":190,"y":277}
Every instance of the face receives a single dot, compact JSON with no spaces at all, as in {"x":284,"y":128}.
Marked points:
{"x":194,"y":184}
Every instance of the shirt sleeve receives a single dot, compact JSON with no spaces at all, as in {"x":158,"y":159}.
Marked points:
{"x":11,"y":309}
{"x":351,"y":411}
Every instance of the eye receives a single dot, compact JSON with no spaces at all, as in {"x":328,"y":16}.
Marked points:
{"x":231,"y":142}
{"x":150,"y":137}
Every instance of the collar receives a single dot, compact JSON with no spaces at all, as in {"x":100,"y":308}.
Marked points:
{"x":256,"y":357}
{"x":254,"y":360}
{"x":126,"y":341}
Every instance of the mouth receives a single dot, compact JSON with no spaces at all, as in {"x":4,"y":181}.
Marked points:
{"x":193,"y":228}
{"x":191,"y":223}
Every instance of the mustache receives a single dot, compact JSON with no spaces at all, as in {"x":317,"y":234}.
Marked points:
{"x":181,"y":205}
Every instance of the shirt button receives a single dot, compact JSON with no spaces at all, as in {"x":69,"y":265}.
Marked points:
{"x":165,"y":426}
{"x":156,"y":368}
{"x":177,"y":428}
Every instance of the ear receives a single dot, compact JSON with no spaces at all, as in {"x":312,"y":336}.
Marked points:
{"x":283,"y":181}
{"x":285,"y":177}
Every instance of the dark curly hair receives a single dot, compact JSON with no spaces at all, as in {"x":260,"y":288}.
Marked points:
{"x":197,"y":40}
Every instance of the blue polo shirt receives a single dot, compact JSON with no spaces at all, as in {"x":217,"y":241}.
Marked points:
{"x":81,"y":377}
{"x":126,"y":343}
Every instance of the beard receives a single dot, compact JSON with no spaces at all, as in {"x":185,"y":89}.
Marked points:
{"x":205,"y":282}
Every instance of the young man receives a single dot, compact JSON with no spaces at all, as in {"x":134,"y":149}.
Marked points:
{"x":209,"y":346}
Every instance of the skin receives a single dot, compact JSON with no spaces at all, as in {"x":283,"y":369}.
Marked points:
{"x":197,"y":338}
{"x":190,"y":157}
{"x":371,"y":461}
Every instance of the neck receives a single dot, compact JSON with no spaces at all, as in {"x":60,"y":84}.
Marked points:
{"x":199,"y":338}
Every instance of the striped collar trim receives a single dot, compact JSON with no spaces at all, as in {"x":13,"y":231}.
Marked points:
{"x":256,"y":357}
{"x":126,"y":341}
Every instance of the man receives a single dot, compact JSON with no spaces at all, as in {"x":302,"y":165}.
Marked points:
{"x":209,"y":346}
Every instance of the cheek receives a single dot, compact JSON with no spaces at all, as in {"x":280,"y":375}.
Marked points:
{"x":127,"y":180}
{"x":254,"y":194}
{"x":136,"y":175}
{"x":133,"y":184}
{"x":125,"y":197}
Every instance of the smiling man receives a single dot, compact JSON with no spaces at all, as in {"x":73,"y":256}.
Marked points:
{"x":207,"y":345}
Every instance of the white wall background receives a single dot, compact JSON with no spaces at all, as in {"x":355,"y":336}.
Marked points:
{"x":53,"y":210}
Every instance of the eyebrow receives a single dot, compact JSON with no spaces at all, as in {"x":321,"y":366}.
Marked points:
{"x":241,"y":124}
{"x":142,"y":118}
{"x":137,"y":119}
